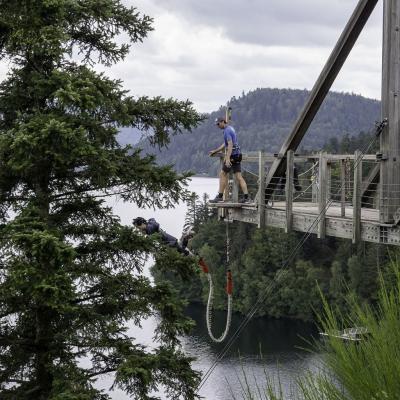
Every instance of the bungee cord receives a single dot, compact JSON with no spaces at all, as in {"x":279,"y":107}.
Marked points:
{"x":209,"y":312}
{"x":210,"y":300}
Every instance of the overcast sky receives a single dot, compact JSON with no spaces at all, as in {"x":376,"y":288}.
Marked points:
{"x":211,"y":50}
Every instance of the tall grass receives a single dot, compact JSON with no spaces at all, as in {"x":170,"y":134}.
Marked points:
{"x":251,"y":389}
{"x":369,"y":369}
{"x":365,"y":370}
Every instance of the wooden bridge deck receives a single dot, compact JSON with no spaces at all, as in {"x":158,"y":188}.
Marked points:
{"x":306,"y":216}
{"x":367,"y":214}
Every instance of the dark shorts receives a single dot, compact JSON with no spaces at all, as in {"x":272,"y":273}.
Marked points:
{"x":236,"y":166}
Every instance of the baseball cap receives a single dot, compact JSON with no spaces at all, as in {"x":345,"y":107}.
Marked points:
{"x":218,"y":120}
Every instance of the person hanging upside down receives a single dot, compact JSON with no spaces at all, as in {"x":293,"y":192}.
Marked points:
{"x":152,"y":226}
{"x":186,"y":238}
{"x":232,"y":160}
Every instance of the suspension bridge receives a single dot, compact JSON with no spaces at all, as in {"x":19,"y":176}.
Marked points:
{"x":352,"y":196}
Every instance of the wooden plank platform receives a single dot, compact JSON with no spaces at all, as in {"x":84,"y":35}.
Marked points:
{"x":233,"y":205}
{"x":367,"y":214}
{"x":305,"y":218}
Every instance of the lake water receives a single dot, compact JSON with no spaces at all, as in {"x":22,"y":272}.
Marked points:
{"x":266,"y":347}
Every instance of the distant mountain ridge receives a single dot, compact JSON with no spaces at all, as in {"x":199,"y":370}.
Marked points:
{"x":263,"y":118}
{"x":129,"y":136}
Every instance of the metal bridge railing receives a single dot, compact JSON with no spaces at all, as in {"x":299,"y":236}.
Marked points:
{"x":339,"y":195}
{"x":313,"y":180}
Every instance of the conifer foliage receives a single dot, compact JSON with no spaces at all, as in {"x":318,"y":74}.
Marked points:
{"x":70,"y":272}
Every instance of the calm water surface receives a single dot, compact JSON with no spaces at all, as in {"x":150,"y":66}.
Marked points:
{"x":265,"y":347}
{"x":277,"y":349}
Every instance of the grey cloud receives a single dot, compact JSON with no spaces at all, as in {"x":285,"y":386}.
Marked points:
{"x":296,"y":37}
{"x":181,"y":62}
{"x":272,"y":22}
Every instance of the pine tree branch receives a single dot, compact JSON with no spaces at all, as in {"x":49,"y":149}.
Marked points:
{"x":105,"y":371}
{"x":19,"y":381}
{"x":32,"y":391}
{"x":10,"y":342}
{"x":78,"y":301}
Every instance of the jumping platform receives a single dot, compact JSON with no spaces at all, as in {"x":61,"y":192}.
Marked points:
{"x":336,"y":197}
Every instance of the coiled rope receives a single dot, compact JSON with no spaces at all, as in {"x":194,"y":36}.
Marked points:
{"x":209,"y":316}
{"x":210,"y":300}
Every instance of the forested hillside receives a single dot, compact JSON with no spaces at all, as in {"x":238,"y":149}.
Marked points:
{"x":129,"y":136}
{"x":263,"y":118}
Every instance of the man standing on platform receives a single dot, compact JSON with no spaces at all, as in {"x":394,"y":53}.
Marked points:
{"x":232,"y":161}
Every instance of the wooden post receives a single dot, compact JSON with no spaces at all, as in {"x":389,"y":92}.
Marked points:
{"x":235,"y":191}
{"x":328,"y":180}
{"x":261,"y":189}
{"x":226,"y":191}
{"x":390,"y":138}
{"x":357,"y":197}
{"x":342,"y":188}
{"x":221,"y":211}
{"x":289,"y":190}
{"x":314,"y":187}
{"x":235,"y":186}
{"x":322,"y":195}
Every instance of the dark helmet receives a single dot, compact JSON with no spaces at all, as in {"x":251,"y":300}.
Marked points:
{"x":139,"y":221}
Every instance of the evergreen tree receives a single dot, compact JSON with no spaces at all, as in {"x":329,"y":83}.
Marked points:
{"x":70,"y":276}
{"x":191,"y":216}
{"x":355,"y":273}
{"x":204,"y":212}
{"x":198,"y":212}
{"x":337,"y":282}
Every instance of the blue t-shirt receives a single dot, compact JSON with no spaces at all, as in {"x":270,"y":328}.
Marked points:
{"x":230,"y":134}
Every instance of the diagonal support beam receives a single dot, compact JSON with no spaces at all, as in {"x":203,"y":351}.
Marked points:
{"x":324,"y":82}
{"x":369,"y":188}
